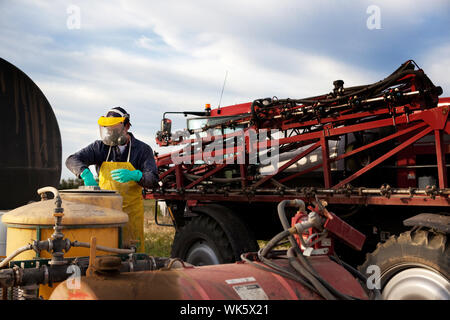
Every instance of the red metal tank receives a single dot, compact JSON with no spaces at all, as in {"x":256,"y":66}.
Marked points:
{"x":238,"y":281}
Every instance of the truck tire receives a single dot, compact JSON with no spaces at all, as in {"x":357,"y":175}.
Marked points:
{"x":414,"y":265}
{"x":215,"y":236}
{"x":202,"y":242}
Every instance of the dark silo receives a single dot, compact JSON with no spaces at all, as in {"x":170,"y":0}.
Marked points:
{"x":30,"y":156}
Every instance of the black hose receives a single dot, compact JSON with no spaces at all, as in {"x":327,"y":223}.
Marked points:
{"x":362,"y":92}
{"x":303,"y":270}
{"x":366,"y":91}
{"x":301,"y":264}
{"x":274,"y":242}
{"x":285,"y":224}
{"x":336,"y":293}
{"x":374,"y":292}
{"x":267,"y":265}
{"x":307,"y":274}
{"x":311,"y":278}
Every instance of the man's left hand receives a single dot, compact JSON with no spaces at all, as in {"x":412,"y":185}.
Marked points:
{"x":125,"y":175}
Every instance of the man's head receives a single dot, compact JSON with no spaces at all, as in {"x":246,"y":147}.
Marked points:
{"x":119,"y":112}
{"x":114,"y":127}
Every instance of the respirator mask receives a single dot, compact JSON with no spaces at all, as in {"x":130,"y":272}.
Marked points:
{"x":112,"y":130}
{"x":113,"y":135}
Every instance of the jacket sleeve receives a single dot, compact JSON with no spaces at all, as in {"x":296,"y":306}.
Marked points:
{"x":82,"y":159}
{"x":148,"y":167}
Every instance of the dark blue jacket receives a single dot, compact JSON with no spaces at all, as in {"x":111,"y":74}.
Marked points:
{"x":141,"y":158}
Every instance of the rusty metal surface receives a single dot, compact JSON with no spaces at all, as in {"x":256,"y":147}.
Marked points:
{"x":218,"y":282}
{"x":31,"y":148}
{"x":157,"y":285}
{"x":237,"y":281}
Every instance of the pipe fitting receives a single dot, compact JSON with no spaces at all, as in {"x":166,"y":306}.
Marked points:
{"x":314,"y":221}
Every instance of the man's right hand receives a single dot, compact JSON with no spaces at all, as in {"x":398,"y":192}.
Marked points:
{"x":88,"y":178}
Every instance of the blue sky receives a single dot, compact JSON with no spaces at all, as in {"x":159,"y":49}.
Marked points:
{"x":156,"y":56}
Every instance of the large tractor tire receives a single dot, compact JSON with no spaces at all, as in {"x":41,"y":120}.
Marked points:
{"x":413,"y":266}
{"x":215,"y":236}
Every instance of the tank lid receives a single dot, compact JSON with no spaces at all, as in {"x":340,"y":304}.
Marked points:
{"x":85,"y":192}
{"x":75,"y":213}
{"x":88,"y":191}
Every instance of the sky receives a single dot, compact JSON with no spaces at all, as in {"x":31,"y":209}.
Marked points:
{"x":155,"y":56}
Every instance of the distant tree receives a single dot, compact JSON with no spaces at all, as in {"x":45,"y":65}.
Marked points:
{"x":70,"y":183}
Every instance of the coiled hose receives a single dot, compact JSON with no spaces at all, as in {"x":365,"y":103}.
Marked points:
{"x":296,"y":258}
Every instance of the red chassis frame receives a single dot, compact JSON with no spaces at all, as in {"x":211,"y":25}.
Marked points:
{"x":410,"y":121}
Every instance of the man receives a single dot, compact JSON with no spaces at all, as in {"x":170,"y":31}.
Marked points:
{"x":124,"y":164}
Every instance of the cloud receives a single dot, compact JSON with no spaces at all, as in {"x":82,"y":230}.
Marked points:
{"x":436,"y":64}
{"x":157,"y":56}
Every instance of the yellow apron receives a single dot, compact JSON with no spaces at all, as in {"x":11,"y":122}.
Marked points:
{"x":133,"y":202}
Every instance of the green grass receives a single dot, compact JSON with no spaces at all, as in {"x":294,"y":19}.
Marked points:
{"x":158,"y":239}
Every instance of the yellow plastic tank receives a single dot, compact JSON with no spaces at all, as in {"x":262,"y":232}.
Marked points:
{"x":87,"y":213}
